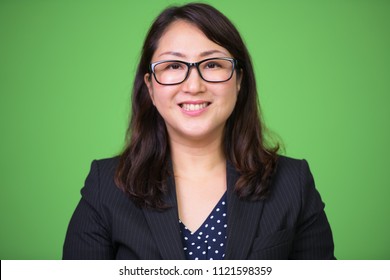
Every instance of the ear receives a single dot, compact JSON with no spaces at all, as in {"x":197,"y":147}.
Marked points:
{"x":148,"y":82}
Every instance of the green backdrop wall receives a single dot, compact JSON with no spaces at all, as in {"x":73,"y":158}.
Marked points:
{"x":66,"y":71}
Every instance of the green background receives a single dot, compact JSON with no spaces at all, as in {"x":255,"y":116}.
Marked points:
{"x":66,"y":71}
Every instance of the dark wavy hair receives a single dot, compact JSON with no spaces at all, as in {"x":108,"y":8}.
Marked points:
{"x":144,"y":165}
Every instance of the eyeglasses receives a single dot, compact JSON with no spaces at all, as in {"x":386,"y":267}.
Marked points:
{"x":213,"y":70}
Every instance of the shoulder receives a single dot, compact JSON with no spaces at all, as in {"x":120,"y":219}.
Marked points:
{"x":293,"y":192}
{"x":291,"y":170}
{"x":293,"y":181}
{"x":293,"y":188}
{"x":101,"y":178}
{"x":295,"y":209}
{"x":104,"y":169}
{"x":289,"y":164}
{"x":106,"y":166}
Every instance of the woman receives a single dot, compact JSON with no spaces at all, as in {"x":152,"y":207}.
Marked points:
{"x":196,"y":180}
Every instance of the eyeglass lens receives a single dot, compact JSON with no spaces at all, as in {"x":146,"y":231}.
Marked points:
{"x":174,"y":72}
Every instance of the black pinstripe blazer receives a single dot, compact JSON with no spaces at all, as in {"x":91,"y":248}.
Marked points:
{"x":290,"y":224}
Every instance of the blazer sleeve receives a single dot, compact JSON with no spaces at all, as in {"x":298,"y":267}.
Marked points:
{"x":88,"y":234}
{"x":313,"y":236}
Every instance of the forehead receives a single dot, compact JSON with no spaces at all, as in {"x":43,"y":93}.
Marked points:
{"x":184,"y":39}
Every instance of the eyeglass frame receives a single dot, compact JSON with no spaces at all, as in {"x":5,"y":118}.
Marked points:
{"x":193,"y":64}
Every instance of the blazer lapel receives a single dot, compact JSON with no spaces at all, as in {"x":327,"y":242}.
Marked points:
{"x":243,"y":220}
{"x":165,"y":228}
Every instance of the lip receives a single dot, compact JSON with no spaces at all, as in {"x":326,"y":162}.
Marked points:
{"x":194,"y":102}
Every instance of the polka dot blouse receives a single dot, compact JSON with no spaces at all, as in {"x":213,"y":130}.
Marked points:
{"x":209,"y":241}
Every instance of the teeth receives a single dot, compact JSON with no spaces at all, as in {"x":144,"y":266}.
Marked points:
{"x":194,"y":107}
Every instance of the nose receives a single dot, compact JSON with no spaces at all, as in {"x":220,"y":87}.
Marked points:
{"x":194,"y":83}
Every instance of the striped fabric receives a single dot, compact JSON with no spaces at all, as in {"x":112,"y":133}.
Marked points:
{"x":290,"y":224}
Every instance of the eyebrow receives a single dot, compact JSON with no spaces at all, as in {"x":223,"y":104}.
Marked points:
{"x":202,"y":54}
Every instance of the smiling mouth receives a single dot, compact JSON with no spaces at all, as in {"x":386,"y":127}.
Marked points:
{"x":194,"y":107}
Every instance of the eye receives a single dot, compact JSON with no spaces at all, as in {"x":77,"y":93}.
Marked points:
{"x":174,"y":66}
{"x":212,"y":65}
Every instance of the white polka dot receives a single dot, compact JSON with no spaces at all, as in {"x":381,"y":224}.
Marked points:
{"x":213,"y":234}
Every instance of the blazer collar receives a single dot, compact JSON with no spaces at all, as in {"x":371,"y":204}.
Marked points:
{"x":164,"y":225}
{"x":243,"y":219}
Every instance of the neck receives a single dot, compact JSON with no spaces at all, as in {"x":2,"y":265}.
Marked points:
{"x":196,"y":157}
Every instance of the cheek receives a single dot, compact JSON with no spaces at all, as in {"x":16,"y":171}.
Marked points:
{"x":161,"y":96}
{"x":230,"y":99}
{"x":233,"y":101}
{"x":228,"y":95}
{"x":154,"y":91}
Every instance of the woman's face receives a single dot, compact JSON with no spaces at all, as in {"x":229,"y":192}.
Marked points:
{"x":195,"y":109}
